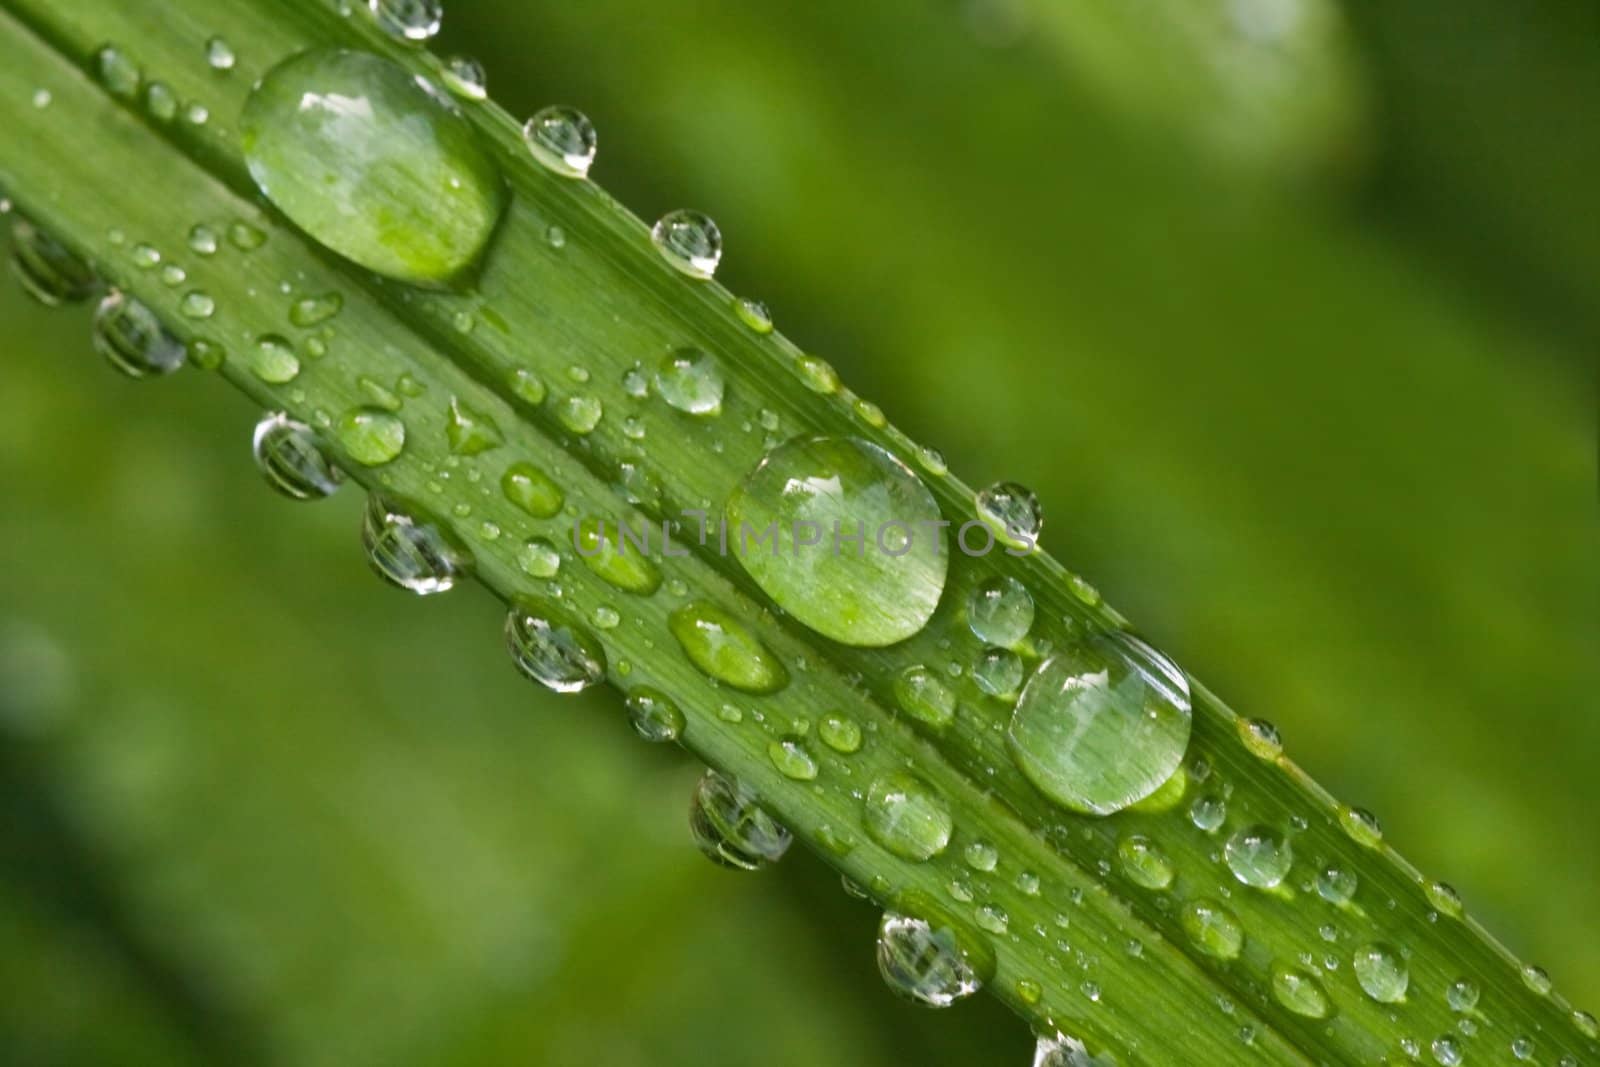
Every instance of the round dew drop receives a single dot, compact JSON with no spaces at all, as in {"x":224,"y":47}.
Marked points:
{"x":1300,"y":992}
{"x":1336,"y":885}
{"x":532,"y":490}
{"x":551,"y":649}
{"x":371,"y":436}
{"x":563,"y":140}
{"x":730,"y":826}
{"x":754,"y":314}
{"x":1261,"y":738}
{"x":538,"y":558}
{"x":409,"y":549}
{"x":292,"y":460}
{"x":923,"y":695}
{"x":925,"y":963}
{"x":1361,"y":826}
{"x":1446,"y":1051}
{"x":466,"y":77}
{"x":1461,"y":996}
{"x":907,"y":816}
{"x":840,"y":733}
{"x":1102,"y":725}
{"x":843,"y":537}
{"x":654,"y":715}
{"x":998,"y":672}
{"x":132,"y":339}
{"x":1144,"y":863}
{"x":689,"y":241}
{"x":1000,"y":612}
{"x":1214,"y":929}
{"x":1381,"y":972}
{"x":1259,"y":856}
{"x":790,"y":757}
{"x":722,"y":648}
{"x":273,"y":360}
{"x":1012,"y":511}
{"x":690,"y":381}
{"x":409,"y":20}
{"x":220,"y":55}
{"x":373,"y":164}
{"x":47,"y":271}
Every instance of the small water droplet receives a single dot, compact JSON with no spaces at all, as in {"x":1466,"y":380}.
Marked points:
{"x":839,"y":732}
{"x":1446,"y":1051}
{"x":410,"y":549}
{"x":1261,"y":738}
{"x":818,"y":375}
{"x":689,"y":241}
{"x":117,"y":72}
{"x":1059,"y":1050}
{"x":991,"y":917}
{"x":1586,"y":1023}
{"x":754,"y":314}
{"x":371,"y":436}
{"x":998,"y":672}
{"x":722,"y":648}
{"x":245,"y":237}
{"x":532,"y":490}
{"x":220,"y":55}
{"x":654,"y":715}
{"x":580,"y":413}
{"x":1382,"y":973}
{"x":203,"y":240}
{"x":1144,"y":863}
{"x":981,"y":856}
{"x":131,"y":338}
{"x":370,"y":162}
{"x":730,"y":826}
{"x":1522,"y":1047}
{"x":42,"y":98}
{"x":1336,"y":885}
{"x":47,"y":270}
{"x":527,"y":386}
{"x":1361,"y":825}
{"x":563,"y":140}
{"x":790,"y":756}
{"x":291,"y":458}
{"x":553,"y":650}
{"x":466,"y":77}
{"x":1208,"y":812}
{"x":1462,"y":995}
{"x":690,"y":381}
{"x":923,"y":695}
{"x":312,"y":311}
{"x":196,"y":114}
{"x":1012,"y":511}
{"x":1259,"y":856}
{"x":1213,"y":929}
{"x":931,"y":963}
{"x":409,"y":20}
{"x":172,"y":275}
{"x":1300,"y":992}
{"x":555,"y":236}
{"x":1536,"y":979}
{"x":1444,"y":898}
{"x":610,"y":552}
{"x":273,"y":359}
{"x":1000,"y":611}
{"x":538,"y":558}
{"x":207,"y":355}
{"x":907,"y":816}
{"x":470,"y":432}
{"x":160,"y":101}
{"x":1102,"y":724}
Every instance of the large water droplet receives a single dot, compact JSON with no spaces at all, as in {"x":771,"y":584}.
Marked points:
{"x":372,"y":163}
{"x":47,"y":270}
{"x":132,"y":339}
{"x":410,"y":549}
{"x":690,"y":381}
{"x":1012,"y":511}
{"x":1259,"y":856}
{"x":292,"y":460}
{"x":563,"y":139}
{"x":848,"y":539}
{"x":615,"y":557}
{"x":1214,"y":929}
{"x":409,"y":20}
{"x":689,"y":241}
{"x":1000,"y":611}
{"x":654,"y":715}
{"x":933,"y":963}
{"x":1382,"y":973}
{"x":1102,"y":725}
{"x":553,"y":650}
{"x":1300,"y":992}
{"x":730,"y":826}
{"x":721,"y":647}
{"x":907,"y":816}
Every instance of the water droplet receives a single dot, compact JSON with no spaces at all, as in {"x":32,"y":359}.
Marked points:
{"x":923,"y":695}
{"x":1261,"y":738}
{"x":1361,"y":825}
{"x":203,"y":240}
{"x":1444,"y":898}
{"x":532,"y":490}
{"x":553,"y":650}
{"x":1000,"y":611}
{"x":48,"y":272}
{"x":730,"y":826}
{"x":371,"y":163}
{"x":292,"y":460}
{"x":314,"y":310}
{"x":689,"y":241}
{"x":789,"y":755}
{"x":42,"y":98}
{"x":219,"y":54}
{"x":470,"y":432}
{"x":466,"y":77}
{"x":839,"y":732}
{"x":690,"y":381}
{"x":654,"y":715}
{"x":843,"y":536}
{"x":720,"y":646}
{"x":1586,"y":1023}
{"x":580,"y":413}
{"x":245,"y":237}
{"x":992,"y":917}
{"x":563,"y":140}
{"x":981,"y":856}
{"x":907,"y":816}
{"x":538,"y":558}
{"x":1536,"y":979}
{"x":1462,"y":995}
{"x":1300,"y":992}
{"x":273,"y":359}
{"x":207,"y":355}
{"x":1522,"y":1047}
{"x":1144,"y":863}
{"x":1102,"y":724}
{"x":930,"y":963}
{"x":408,"y":548}
{"x":555,"y":237}
{"x":1259,"y":856}
{"x":1336,"y":885}
{"x":160,"y":102}
{"x":1208,"y":812}
{"x":1062,"y":1051}
{"x":409,"y":20}
{"x":173,"y":275}
{"x":610,"y":553}
{"x":1446,"y":1051}
{"x":132,"y":339}
{"x":196,"y":114}
{"x":998,"y":672}
{"x":818,"y":375}
{"x":117,"y":72}
{"x":372,"y":437}
{"x":754,"y":314}
{"x":1213,"y":929}
{"x":1012,"y":511}
{"x":1381,"y":970}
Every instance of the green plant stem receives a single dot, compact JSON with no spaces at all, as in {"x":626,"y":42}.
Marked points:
{"x":1110,"y":961}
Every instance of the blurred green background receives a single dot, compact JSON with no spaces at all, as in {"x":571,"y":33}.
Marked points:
{"x":1293,"y":331}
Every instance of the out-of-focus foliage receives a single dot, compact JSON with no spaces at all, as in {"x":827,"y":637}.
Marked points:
{"x":1327,"y":434}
